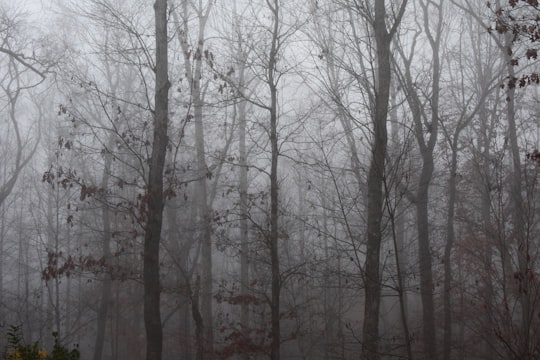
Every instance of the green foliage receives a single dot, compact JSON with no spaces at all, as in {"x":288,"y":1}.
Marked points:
{"x":60,"y":352}
{"x":18,"y":350}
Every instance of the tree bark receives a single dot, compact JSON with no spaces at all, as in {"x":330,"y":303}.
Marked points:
{"x":243,"y":189}
{"x":424,"y":253}
{"x":154,"y":191}
{"x":397,"y":221}
{"x":106,"y":253}
{"x":274,"y":186}
{"x":3,"y":230}
{"x":426,"y":122}
{"x":243,"y":176}
{"x":204,"y":216}
{"x":193,"y":72}
{"x":450,"y":237}
{"x":518,"y":211}
{"x":198,"y":320}
{"x":488,"y":293}
{"x":375,"y":196}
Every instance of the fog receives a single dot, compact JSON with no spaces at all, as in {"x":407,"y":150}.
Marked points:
{"x":269,"y":179}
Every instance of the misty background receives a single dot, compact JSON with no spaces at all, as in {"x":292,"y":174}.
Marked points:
{"x":339,"y":179}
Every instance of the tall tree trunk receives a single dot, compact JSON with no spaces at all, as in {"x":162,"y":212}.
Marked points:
{"x":180,"y":252}
{"x":154,"y":191}
{"x":3,"y":229}
{"x":23,"y":291}
{"x":426,"y":274}
{"x":397,"y":222}
{"x":52,"y":284}
{"x":426,"y":122}
{"x":424,"y":253}
{"x":487,"y":229}
{"x":203,"y":209}
{"x":274,"y":186}
{"x":49,"y":312}
{"x":106,"y":253}
{"x":198,"y":319}
{"x":328,"y":306}
{"x":243,"y":174}
{"x":204,"y":217}
{"x":518,"y":211}
{"x":450,"y":237}
{"x":375,"y":196}
{"x":488,"y":291}
{"x":193,"y":72}
{"x":243,"y":188}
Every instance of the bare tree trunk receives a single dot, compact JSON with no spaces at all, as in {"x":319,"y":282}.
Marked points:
{"x":375,"y":196}
{"x":274,"y":186}
{"x":399,"y":274}
{"x":243,"y":174}
{"x":450,"y":237}
{"x":518,"y":213}
{"x":2,"y":241}
{"x":115,"y":343}
{"x":425,"y":121}
{"x":424,"y":252}
{"x":204,"y":221}
{"x":482,"y":79}
{"x":69,"y":281}
{"x":23,"y":278}
{"x":51,"y":284}
{"x":194,"y":74}
{"x":154,"y":192}
{"x":243,"y":188}
{"x":105,"y":288}
{"x":180,"y":252}
{"x":329,"y":313}
{"x":488,"y":293}
{"x":204,"y":216}
{"x":397,"y":222}
{"x":426,"y":273}
{"x":106,"y":253}
{"x":462,"y":307}
{"x":197,"y":318}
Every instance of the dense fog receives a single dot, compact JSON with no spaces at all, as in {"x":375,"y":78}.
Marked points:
{"x":269,"y":179}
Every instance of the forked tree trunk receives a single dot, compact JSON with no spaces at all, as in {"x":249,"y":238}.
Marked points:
{"x":426,"y":122}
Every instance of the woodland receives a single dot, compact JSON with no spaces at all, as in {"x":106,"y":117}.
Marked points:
{"x":269,"y":179}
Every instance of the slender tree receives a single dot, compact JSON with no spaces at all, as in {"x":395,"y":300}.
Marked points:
{"x":194,"y":61}
{"x":154,"y":192}
{"x":426,"y":121}
{"x":273,"y":239}
{"x":383,"y":38}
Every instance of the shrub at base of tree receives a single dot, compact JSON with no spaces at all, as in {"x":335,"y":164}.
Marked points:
{"x":17,"y":350}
